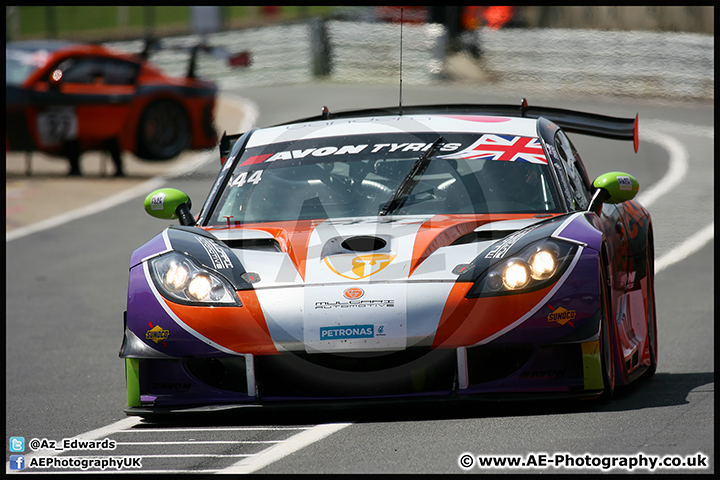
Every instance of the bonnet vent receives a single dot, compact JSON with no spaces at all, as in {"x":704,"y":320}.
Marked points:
{"x":364,"y":243}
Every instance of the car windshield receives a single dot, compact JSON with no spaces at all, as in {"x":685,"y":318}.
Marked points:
{"x":19,"y":65}
{"x":361,"y":176}
{"x":23,"y":58}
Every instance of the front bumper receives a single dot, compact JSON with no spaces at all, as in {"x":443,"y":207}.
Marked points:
{"x":513,"y":371}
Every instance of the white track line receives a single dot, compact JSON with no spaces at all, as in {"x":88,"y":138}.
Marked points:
{"x":282,"y":450}
{"x":687,"y":248}
{"x":675,"y":174}
{"x":96,"y":207}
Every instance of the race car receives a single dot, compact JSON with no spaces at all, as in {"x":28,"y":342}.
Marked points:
{"x":65,"y":98}
{"x":429,"y":251}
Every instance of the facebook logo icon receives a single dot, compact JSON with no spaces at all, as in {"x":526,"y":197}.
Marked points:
{"x":17,"y":444}
{"x":17,"y":462}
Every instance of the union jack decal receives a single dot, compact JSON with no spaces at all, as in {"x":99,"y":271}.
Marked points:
{"x":507,"y":148}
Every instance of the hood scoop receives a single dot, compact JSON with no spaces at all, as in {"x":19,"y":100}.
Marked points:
{"x":249,"y":240}
{"x":364,"y":243}
{"x":357,"y":245}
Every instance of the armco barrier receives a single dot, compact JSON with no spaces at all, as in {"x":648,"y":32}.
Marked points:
{"x":662,"y":64}
{"x":658,"y":64}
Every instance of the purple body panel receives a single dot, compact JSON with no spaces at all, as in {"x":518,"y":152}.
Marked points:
{"x":580,"y":229}
{"x":144,"y":310}
{"x":154,"y":246}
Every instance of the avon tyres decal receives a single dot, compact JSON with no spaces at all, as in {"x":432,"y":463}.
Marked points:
{"x":322,"y":153}
{"x":209,"y":251}
{"x":355,"y":147}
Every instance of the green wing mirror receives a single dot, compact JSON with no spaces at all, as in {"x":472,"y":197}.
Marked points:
{"x":169,"y":204}
{"x":613,"y":187}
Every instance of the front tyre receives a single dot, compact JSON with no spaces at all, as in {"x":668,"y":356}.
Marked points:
{"x":163,"y":131}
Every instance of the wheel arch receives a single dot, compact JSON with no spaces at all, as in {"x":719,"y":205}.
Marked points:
{"x":135,"y":131}
{"x":604,"y":262}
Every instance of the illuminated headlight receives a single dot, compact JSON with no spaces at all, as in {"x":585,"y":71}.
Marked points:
{"x":536,"y":266}
{"x":180,"y":279}
{"x":543,"y":263}
{"x":176,"y":276}
{"x":515,"y":275}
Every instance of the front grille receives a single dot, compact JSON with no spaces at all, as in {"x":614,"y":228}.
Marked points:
{"x":355,"y":374}
{"x":487,"y":362}
{"x":224,"y":373}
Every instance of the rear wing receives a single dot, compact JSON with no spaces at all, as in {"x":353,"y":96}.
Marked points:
{"x":227,"y":142}
{"x":569,"y":120}
{"x":239,"y":59}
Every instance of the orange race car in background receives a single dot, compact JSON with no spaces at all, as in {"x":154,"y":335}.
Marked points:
{"x":65,"y":98}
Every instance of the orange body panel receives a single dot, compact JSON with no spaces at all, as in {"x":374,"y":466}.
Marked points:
{"x":460,"y":324}
{"x":241,"y":330}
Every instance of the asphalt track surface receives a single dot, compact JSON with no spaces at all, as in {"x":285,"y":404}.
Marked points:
{"x":66,"y":286}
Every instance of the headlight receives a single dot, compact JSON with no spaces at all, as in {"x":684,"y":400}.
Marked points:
{"x":181,"y":280}
{"x":532,"y":268}
{"x":515,"y":275}
{"x":543,"y":262}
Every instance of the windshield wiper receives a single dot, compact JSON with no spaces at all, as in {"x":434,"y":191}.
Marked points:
{"x":411,"y":179}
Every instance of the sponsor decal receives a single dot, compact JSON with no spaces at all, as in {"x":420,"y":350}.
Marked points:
{"x":501,"y":248}
{"x":218,"y":256}
{"x":255,"y":159}
{"x":332,"y":322}
{"x":157,"y":202}
{"x":624,"y":182}
{"x":353,"y":293}
{"x":378,"y":148}
{"x":346,"y":332}
{"x":561,"y":316}
{"x":355,"y":304}
{"x":356,"y":268}
{"x":157,"y":334}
